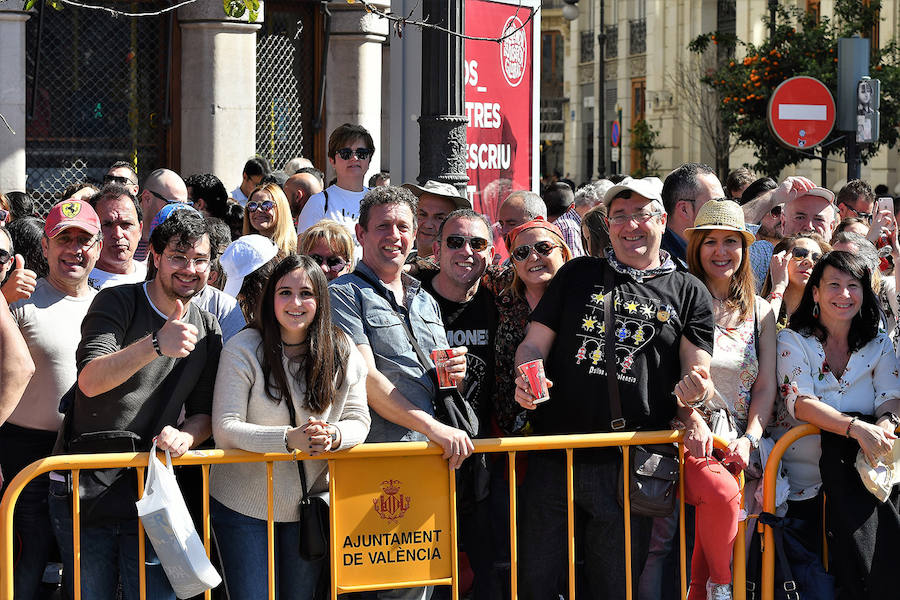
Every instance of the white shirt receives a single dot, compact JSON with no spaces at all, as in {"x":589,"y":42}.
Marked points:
{"x":343,"y":207}
{"x":99,"y":279}
{"x":871,"y":377}
{"x":239,"y":197}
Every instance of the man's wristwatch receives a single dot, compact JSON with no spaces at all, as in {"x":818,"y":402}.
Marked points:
{"x":754,"y":441}
{"x":892,"y":417}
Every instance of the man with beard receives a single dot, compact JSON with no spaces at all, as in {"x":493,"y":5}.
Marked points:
{"x":120,"y":221}
{"x":146,"y":353}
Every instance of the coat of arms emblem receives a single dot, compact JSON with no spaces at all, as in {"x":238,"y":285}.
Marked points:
{"x":391,"y":504}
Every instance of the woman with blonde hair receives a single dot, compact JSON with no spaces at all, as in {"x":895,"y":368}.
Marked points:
{"x":330,"y":245}
{"x":268,"y":214}
{"x":744,"y":347}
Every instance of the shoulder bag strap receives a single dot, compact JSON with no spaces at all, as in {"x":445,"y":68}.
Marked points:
{"x":325,"y":209}
{"x":290,"y":405}
{"x":617,"y":422}
{"x":755,"y":329}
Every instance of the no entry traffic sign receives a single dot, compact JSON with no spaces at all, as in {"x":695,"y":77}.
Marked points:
{"x":801,"y":112}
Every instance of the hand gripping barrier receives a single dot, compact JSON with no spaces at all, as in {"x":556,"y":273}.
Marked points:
{"x":343,"y":465}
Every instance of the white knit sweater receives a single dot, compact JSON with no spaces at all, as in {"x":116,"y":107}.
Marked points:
{"x":246,"y":418}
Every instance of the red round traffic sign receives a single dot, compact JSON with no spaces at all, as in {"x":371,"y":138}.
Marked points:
{"x":801,"y":112}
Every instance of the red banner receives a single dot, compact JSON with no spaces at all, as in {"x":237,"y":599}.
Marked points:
{"x":499,"y":103}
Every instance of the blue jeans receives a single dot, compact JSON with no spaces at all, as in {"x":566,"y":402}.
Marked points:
{"x":543,"y":548}
{"x":34,"y":542}
{"x":109,"y":552}
{"x":242,"y":545}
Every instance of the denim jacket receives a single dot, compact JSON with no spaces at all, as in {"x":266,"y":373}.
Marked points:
{"x":369,"y":318}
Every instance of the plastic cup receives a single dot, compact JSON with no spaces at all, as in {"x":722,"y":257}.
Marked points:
{"x":537,"y":379}
{"x":440,"y":357}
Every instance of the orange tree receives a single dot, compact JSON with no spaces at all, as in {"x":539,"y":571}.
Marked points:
{"x":801,"y":45}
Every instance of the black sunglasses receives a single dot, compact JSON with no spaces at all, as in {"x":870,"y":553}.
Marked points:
{"x":265,"y":205}
{"x":543,"y":248}
{"x":117,"y":179}
{"x":361,"y":153}
{"x":455,"y":242}
{"x":5,"y":256}
{"x":861,"y":214}
{"x":801,"y":253}
{"x":167,"y":201}
{"x":335,"y":263}
{"x":5,"y":216}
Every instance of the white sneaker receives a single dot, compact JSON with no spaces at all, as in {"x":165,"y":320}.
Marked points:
{"x":718,"y":591}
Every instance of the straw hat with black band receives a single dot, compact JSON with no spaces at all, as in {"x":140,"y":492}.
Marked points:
{"x":726,"y":215}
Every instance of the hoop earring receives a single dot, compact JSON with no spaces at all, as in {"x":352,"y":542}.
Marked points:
{"x":815,"y":311}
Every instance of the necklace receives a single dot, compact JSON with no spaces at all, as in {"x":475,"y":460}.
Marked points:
{"x":286,"y":345}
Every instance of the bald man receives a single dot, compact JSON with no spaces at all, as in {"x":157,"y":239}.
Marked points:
{"x":161,"y":187}
{"x":298,"y":189}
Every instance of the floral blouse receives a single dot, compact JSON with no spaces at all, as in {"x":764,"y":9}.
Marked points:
{"x":513,"y":320}
{"x":871,"y":377}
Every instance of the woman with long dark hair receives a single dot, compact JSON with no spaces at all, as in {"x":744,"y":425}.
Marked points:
{"x":837,"y":371}
{"x":290,"y":353}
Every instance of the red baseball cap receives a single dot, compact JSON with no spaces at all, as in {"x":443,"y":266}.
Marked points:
{"x":71,"y":213}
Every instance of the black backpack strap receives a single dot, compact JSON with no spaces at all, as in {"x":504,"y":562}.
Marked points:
{"x":325,"y":210}
{"x":617,"y":422}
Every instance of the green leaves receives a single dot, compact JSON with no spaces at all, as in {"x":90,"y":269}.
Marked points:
{"x":237,"y":8}
{"x":800,"y":45}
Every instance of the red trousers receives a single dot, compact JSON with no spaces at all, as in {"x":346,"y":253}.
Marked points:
{"x":714,"y":492}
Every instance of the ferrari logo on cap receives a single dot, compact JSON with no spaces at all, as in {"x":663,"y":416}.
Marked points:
{"x":70,"y":209}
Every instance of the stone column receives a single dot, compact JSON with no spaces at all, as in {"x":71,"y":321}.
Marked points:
{"x":354,"y":76}
{"x":218,"y":92}
{"x":12,"y":99}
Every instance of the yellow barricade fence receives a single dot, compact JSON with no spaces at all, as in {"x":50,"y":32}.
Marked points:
{"x":767,"y":579}
{"x":374,"y":488}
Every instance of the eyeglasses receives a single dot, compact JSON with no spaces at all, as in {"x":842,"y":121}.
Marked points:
{"x":5,"y":257}
{"x":638,"y":217}
{"x":266,"y":205}
{"x":361,"y":153}
{"x":862,"y":215}
{"x":118,"y":179}
{"x":543,"y":248}
{"x":167,"y":201}
{"x":455,"y":242}
{"x":334,"y":262}
{"x":180,"y":261}
{"x":82,"y":242}
{"x":799,"y":254}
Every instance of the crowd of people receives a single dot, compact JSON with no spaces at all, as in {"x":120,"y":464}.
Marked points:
{"x":288,"y":315}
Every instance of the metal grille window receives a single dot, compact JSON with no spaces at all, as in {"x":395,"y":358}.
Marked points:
{"x":638,"y":43}
{"x":612,"y":41}
{"x":587,"y":46}
{"x":98,"y":97}
{"x":285,"y":82}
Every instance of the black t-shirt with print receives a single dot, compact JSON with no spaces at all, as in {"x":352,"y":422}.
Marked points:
{"x":651,"y":317}
{"x":472,"y":324}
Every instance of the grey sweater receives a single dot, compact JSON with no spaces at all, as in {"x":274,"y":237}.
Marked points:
{"x":246,"y":418}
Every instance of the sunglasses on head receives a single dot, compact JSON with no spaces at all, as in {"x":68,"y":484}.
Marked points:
{"x":543,"y":248}
{"x":801,"y":253}
{"x":334,"y":262}
{"x":455,"y":242}
{"x":265,"y":205}
{"x":361,"y":153}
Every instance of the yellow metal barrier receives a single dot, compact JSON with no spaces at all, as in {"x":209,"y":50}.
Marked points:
{"x":767,"y":579}
{"x":511,"y":446}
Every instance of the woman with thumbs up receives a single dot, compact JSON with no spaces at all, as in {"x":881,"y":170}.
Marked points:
{"x":290,"y":381}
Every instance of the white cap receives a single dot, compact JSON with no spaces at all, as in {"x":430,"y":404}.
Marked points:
{"x":243,"y":256}
{"x":648,"y":187}
{"x":818,"y":192}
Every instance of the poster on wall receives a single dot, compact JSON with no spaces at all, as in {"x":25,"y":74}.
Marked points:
{"x":500,"y":102}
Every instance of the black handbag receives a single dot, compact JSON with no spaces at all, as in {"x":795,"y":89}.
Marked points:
{"x":314,"y":530}
{"x":652,"y":469}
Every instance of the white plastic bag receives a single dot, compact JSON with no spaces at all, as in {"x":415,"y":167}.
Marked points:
{"x":880,"y":478}
{"x":169,"y":528}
